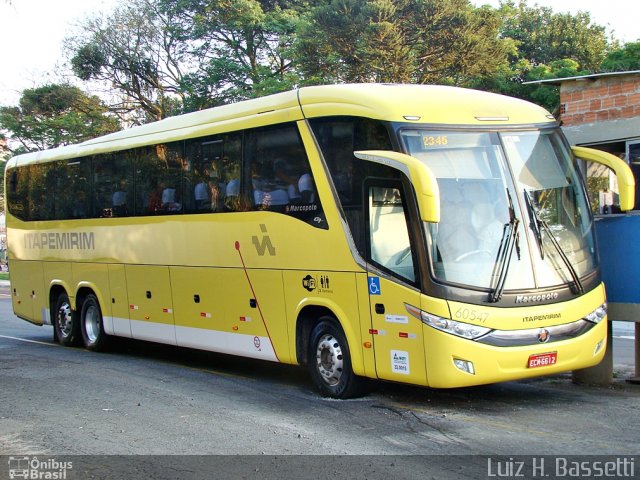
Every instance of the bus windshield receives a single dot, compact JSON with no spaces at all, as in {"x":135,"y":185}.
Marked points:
{"x":517,"y":188}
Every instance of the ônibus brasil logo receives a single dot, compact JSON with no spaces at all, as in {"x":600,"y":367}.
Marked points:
{"x":34,"y":468}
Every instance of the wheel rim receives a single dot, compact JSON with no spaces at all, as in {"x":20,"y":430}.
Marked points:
{"x":92,"y":323}
{"x":330,"y":359}
{"x":65,"y":320}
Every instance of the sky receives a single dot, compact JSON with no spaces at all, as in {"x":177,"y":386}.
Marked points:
{"x":32,"y":32}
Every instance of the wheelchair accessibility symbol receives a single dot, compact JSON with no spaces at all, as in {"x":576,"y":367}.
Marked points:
{"x":374,"y":285}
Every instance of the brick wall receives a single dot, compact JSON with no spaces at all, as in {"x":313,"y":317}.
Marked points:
{"x":605,"y":98}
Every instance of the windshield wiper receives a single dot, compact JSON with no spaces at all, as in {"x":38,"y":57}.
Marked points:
{"x":510,"y":239}
{"x":536,"y":223}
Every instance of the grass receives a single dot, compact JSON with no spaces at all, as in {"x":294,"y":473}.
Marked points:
{"x":4,"y":275}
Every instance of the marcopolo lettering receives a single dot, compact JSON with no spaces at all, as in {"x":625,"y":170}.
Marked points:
{"x":536,"y":298}
{"x":60,"y":241}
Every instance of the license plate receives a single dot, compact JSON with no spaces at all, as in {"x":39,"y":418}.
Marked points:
{"x":543,"y":359}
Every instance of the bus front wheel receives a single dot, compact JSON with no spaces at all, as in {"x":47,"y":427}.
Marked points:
{"x":330,"y":362}
{"x":92,"y":326}
{"x":65,"y":322}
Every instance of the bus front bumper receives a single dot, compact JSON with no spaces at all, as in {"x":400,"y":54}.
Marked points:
{"x":457,"y":362}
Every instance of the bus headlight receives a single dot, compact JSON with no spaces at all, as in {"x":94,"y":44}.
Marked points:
{"x":460,"y":329}
{"x":598,"y":314}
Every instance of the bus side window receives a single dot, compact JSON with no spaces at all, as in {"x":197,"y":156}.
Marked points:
{"x":281,"y":177}
{"x":230,"y":167}
{"x":17,"y":196}
{"x":39,"y":202}
{"x":158,"y":179}
{"x":170,"y":163}
{"x":113,"y":188}
{"x":338,"y":138}
{"x":79,"y":174}
{"x":213,"y":174}
{"x":389,"y":240}
{"x":203,"y":186}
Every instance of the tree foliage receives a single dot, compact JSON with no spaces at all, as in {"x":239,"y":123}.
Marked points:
{"x":439,"y":41}
{"x":168,"y":56}
{"x":242,"y":47}
{"x":171,"y":56}
{"x":623,"y":59}
{"x":55,"y":115}
{"x":543,"y":36}
{"x":136,"y":51}
{"x":547,"y":45}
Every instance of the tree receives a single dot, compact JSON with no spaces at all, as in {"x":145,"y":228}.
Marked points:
{"x":172,"y":56}
{"x":54,"y":115}
{"x":547,"y":45}
{"x":135,"y":50}
{"x":4,"y":148}
{"x":4,"y":154}
{"x":242,"y":47}
{"x":623,"y":59}
{"x":420,"y":41}
{"x":543,"y":36}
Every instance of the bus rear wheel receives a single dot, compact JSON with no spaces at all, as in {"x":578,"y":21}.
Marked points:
{"x":65,"y":323}
{"x":91,"y":324}
{"x":329,"y":362}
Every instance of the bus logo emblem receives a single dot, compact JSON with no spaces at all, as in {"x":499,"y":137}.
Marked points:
{"x":264,"y":244}
{"x":543,"y":335}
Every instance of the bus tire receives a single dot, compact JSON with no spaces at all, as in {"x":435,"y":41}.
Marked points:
{"x":92,"y":325}
{"x":329,"y":362}
{"x":65,"y":323}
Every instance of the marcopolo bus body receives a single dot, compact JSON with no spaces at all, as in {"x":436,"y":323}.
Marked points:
{"x":420,"y":234}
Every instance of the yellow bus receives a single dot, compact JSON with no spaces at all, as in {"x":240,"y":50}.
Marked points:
{"x":429,"y":235}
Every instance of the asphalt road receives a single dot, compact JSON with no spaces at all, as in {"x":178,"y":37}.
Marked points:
{"x":149,"y":399}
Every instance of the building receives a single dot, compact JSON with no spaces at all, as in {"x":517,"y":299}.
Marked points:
{"x":603,"y":111}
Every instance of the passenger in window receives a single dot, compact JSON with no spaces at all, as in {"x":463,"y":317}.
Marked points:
{"x":119,"y":199}
{"x":306,"y":188}
{"x":169,"y":202}
{"x":257,"y":183}
{"x":273,"y":190}
{"x":202,"y":192}
{"x":286,"y":178}
{"x":154,"y":200}
{"x":257,"y":179}
{"x":233,"y":188}
{"x":79,"y":209}
{"x":231,"y":172}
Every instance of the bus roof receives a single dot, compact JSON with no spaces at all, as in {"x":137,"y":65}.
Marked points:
{"x":424,"y":104}
{"x":430,"y":104}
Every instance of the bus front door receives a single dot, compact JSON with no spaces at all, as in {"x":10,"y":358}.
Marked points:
{"x":397,"y":336}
